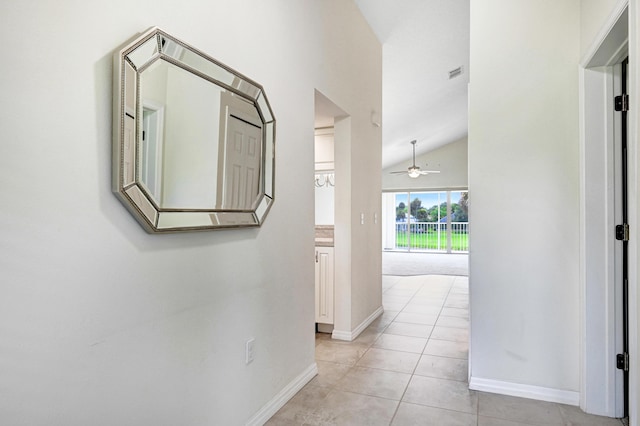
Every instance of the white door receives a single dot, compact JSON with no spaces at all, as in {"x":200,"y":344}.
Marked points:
{"x":242,"y":164}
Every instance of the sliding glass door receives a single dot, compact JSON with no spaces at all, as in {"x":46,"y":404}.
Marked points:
{"x":427,"y":221}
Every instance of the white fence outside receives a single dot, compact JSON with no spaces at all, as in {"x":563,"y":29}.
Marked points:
{"x":432,"y":236}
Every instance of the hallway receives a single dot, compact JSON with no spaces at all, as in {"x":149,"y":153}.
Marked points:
{"x":410,"y":368}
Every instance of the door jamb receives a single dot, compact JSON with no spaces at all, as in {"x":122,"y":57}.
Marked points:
{"x":599,"y":380}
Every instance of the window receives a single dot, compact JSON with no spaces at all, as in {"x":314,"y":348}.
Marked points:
{"x":427,"y":221}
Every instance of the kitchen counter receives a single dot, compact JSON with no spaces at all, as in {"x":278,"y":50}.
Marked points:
{"x":324,"y":235}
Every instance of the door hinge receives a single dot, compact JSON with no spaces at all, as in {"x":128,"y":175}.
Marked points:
{"x":622,"y":361}
{"x":622,"y":232}
{"x":621,"y":103}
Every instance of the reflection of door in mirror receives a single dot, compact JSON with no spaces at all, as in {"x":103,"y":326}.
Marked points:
{"x":242,"y":164}
{"x":240,"y":156}
{"x":152,"y":148}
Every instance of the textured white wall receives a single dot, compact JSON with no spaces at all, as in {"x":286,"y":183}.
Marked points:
{"x":103,"y":324}
{"x":524,"y":180}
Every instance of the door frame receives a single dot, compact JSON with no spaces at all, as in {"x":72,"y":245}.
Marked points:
{"x":600,"y":381}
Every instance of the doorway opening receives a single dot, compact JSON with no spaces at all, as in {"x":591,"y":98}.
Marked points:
{"x":332,"y":308}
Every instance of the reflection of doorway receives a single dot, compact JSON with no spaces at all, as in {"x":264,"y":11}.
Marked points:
{"x":240,"y":154}
{"x":152,"y":149}
{"x":242,"y":164}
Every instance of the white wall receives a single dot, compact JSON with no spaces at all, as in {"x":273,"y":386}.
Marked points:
{"x":450,"y":159}
{"x":190,"y":154}
{"x":593,"y":14}
{"x":104,"y":324}
{"x":524,"y":180}
{"x":357,"y":153}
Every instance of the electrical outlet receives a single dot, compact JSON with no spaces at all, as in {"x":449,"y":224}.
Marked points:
{"x":249,"y":351}
{"x":361,"y":218}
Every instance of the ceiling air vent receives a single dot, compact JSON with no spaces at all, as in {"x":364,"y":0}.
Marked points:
{"x":455,"y":72}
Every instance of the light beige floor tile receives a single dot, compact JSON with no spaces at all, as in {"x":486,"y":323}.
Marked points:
{"x":435,"y":280}
{"x":401,"y":343}
{"x":395,"y":299}
{"x":392,"y":306}
{"x":443,"y":368}
{"x":374,"y":382}
{"x":340,"y":353}
{"x":397,"y":291}
{"x":420,"y":415}
{"x":416,"y":318}
{"x":368,"y":336}
{"x":329,"y":373}
{"x":434,"y":292}
{"x":301,"y":407}
{"x":386,"y":317}
{"x":322,"y":337}
{"x":427,"y":301}
{"x":458,"y":297}
{"x":447,"y":348}
{"x":402,"y":362}
{"x":450,"y":333}
{"x":462,"y":279}
{"x":455,"y":312}
{"x":380,"y":323}
{"x":489,"y":421}
{"x":422,"y":309}
{"x":575,"y":416}
{"x":351,"y":409}
{"x":441,"y":393}
{"x":413,"y":282}
{"x":456,"y":322}
{"x":519,"y":409}
{"x":388,"y":281}
{"x":456,"y":304}
{"x":406,"y":329}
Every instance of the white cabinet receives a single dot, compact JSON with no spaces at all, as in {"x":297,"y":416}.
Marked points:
{"x":324,"y":285}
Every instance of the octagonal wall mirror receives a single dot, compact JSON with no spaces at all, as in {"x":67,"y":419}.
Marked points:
{"x":193,"y":140}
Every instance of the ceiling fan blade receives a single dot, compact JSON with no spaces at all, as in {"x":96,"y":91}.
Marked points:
{"x":428,"y":172}
{"x":404,"y":172}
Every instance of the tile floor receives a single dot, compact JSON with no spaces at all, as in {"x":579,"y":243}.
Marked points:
{"x":410,"y":368}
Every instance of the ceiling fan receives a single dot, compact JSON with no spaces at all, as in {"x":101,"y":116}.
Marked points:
{"x":414,"y":171}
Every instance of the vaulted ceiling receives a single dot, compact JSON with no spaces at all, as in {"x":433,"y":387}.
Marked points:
{"x":423,"y":40}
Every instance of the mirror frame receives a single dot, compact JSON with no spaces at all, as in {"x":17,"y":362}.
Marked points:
{"x":129,"y":62}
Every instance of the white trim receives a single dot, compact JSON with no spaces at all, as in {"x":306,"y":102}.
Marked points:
{"x":277,"y":402}
{"x":600,"y":382}
{"x":351,"y":335}
{"x":525,"y":391}
{"x":591,"y":56}
{"x":632,"y":138}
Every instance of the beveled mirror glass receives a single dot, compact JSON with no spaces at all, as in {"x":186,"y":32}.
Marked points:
{"x":193,"y":139}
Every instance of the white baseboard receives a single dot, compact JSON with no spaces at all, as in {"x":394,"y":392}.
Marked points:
{"x":525,"y":391}
{"x":351,"y":335}
{"x":270,"y":408}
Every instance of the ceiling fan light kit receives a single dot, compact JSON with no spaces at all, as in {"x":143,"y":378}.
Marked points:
{"x":414,"y":171}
